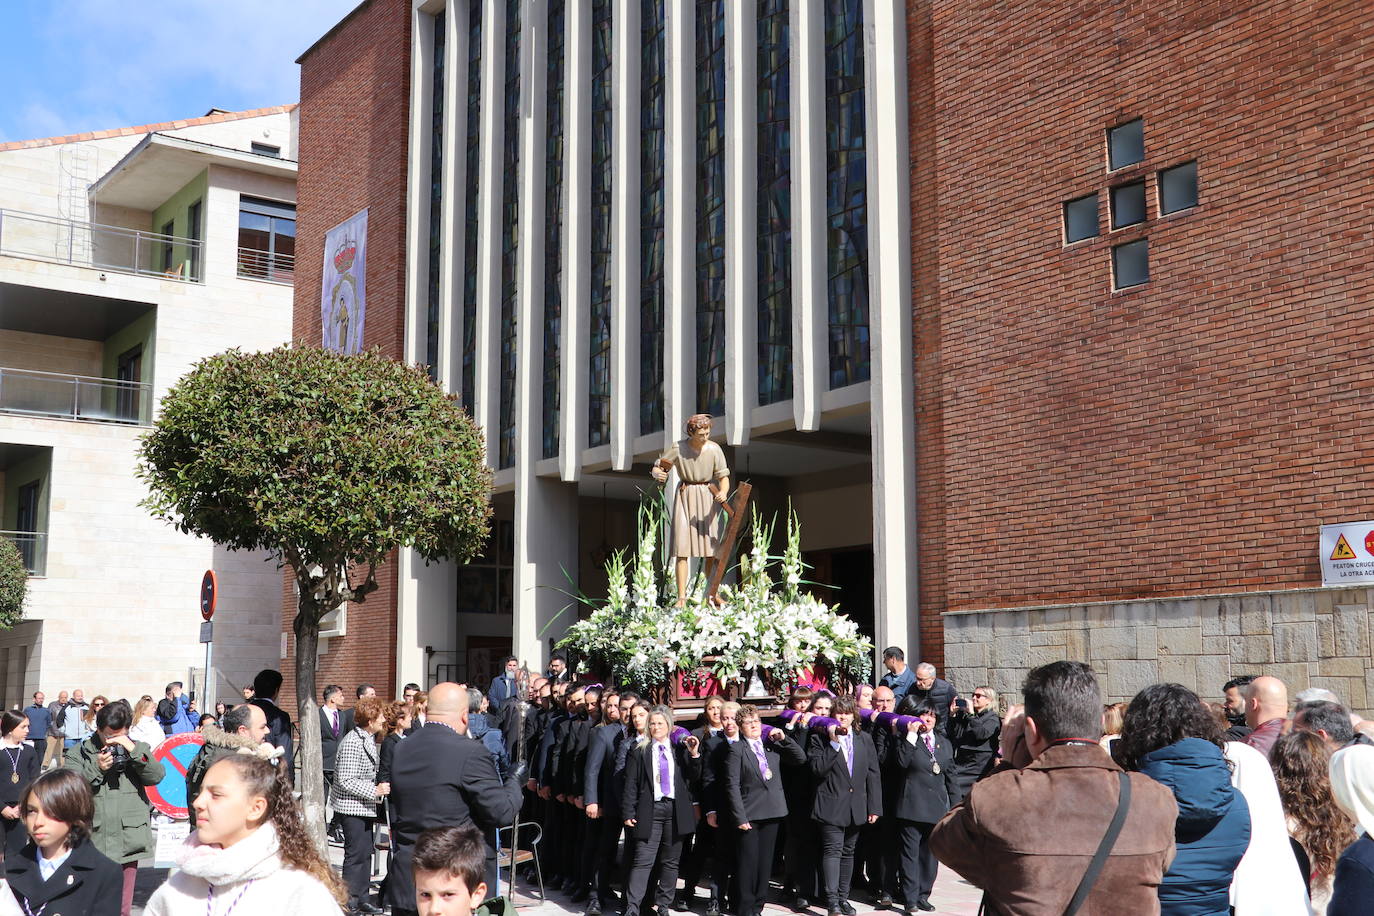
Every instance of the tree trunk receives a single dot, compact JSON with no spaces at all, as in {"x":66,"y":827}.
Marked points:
{"x":311,"y":784}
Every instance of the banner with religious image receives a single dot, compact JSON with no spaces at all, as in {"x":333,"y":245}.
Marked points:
{"x":342,"y":299}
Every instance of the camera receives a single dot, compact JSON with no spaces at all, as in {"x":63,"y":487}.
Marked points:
{"x":961,"y":704}
{"x":119,"y":754}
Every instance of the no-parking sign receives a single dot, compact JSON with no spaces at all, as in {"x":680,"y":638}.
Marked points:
{"x":175,"y":754}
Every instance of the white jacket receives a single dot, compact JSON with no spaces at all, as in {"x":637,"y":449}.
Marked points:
{"x":148,"y":731}
{"x":1268,"y":881}
{"x":249,"y":876}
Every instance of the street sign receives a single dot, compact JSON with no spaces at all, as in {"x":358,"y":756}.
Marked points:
{"x":207,"y":631}
{"x":209,"y":588}
{"x":1347,"y":554}
{"x":175,"y":754}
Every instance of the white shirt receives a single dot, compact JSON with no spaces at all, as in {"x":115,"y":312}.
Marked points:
{"x":653,"y":768}
{"x":333,"y":718}
{"x":46,"y":867}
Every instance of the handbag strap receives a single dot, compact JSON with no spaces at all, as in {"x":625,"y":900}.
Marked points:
{"x":1104,"y":849}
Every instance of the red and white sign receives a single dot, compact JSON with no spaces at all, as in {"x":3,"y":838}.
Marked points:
{"x":175,"y":754}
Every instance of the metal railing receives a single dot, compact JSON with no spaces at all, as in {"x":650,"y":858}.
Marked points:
{"x":113,"y":248}
{"x":74,"y":397}
{"x":256,"y":264}
{"x":33,"y":547}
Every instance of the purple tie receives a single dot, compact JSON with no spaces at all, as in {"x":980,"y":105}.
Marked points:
{"x":930,"y":743}
{"x":334,"y":720}
{"x":849,"y":753}
{"x":664,"y":785}
{"x":763,"y":762}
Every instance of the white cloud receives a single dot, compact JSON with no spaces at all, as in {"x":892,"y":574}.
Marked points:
{"x":173,"y":59}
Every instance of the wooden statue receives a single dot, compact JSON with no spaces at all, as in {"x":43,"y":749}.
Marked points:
{"x":697,"y":509}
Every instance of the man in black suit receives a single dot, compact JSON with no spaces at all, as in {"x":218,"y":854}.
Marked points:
{"x":659,"y":809}
{"x":928,"y":786}
{"x":844,"y":764}
{"x":878,"y":847}
{"x":601,"y":798}
{"x":558,"y":670}
{"x":442,"y":778}
{"x":266,"y":686}
{"x":756,"y":803}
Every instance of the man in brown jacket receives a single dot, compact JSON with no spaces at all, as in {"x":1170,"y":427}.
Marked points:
{"x":1027,"y":833}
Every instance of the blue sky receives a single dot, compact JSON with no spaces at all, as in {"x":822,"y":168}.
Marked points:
{"x":69,"y":66}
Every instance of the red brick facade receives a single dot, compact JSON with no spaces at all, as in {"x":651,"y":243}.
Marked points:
{"x":1182,"y":437}
{"x":354,"y":111}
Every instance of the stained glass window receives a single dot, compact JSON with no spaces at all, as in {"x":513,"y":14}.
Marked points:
{"x":599,"y":388}
{"x":553,"y":227}
{"x":470,"y":228}
{"x":846,"y":193}
{"x":710,"y":46}
{"x":436,"y":195}
{"x":510,"y":234}
{"x":652,"y":154}
{"x":774,"y":204}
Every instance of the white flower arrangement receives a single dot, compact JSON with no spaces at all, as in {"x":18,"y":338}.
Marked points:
{"x":639,"y":636}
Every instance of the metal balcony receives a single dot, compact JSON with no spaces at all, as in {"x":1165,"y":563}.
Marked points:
{"x":111,"y":248}
{"x":74,"y":397}
{"x":256,"y":264}
{"x":33,"y":547}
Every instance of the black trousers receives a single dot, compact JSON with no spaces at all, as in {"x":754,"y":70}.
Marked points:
{"x":663,"y":848}
{"x":837,"y":862}
{"x":16,"y":837}
{"x":799,"y":853}
{"x":357,"y":858}
{"x":700,"y":860}
{"x":604,"y":866}
{"x":918,"y":863}
{"x":755,"y":859}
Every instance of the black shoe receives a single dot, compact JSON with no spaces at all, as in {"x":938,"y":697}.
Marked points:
{"x":801,"y":904}
{"x":368,"y":909}
{"x":682,"y":902}
{"x":847,"y":909}
{"x":580,"y":894}
{"x":713,"y":907}
{"x":884,"y":901}
{"x":906,"y":910}
{"x":925,"y":905}
{"x":594,"y":906}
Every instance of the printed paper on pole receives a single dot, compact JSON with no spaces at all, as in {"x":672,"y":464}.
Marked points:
{"x":1347,"y":554}
{"x":342,"y":299}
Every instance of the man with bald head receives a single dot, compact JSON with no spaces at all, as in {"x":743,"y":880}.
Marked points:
{"x":1266,"y":711}
{"x":442,"y":778}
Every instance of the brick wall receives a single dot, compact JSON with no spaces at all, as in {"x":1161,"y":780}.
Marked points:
{"x":355,"y":100}
{"x":1179,"y":438}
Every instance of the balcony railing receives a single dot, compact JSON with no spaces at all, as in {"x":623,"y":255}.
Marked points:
{"x":256,"y":264}
{"x":113,"y":248}
{"x":33,"y":547}
{"x":74,"y":397}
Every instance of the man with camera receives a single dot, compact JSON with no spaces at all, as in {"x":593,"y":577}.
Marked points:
{"x":118,"y":770}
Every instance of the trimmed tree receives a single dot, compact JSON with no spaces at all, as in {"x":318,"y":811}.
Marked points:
{"x":328,"y":461}
{"x":14,"y":584}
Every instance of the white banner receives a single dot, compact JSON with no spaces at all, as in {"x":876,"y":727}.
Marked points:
{"x":343,"y":304}
{"x":1347,"y":554}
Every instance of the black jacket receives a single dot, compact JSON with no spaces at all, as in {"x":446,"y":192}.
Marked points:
{"x":843,"y":800}
{"x":974,"y":738}
{"x":87,"y":884}
{"x":923,"y":795}
{"x":599,"y":786}
{"x":29,"y":766}
{"x":750,"y":796}
{"x":941,"y":693}
{"x":638,"y":800}
{"x":440,"y":778}
{"x":279,"y":730}
{"x":329,"y":742}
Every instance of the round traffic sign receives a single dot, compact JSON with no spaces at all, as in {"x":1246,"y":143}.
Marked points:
{"x":209,"y":587}
{"x":175,"y":754}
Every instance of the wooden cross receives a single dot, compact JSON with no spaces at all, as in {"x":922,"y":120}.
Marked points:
{"x":735,"y":505}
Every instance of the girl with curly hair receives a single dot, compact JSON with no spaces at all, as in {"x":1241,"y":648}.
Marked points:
{"x":1319,"y":829}
{"x":1171,"y":736}
{"x":250,"y":852}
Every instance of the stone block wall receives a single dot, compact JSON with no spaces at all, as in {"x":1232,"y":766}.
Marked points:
{"x":1306,"y":637}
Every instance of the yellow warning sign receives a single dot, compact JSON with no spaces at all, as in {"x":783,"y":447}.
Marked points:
{"x":1342,"y":551}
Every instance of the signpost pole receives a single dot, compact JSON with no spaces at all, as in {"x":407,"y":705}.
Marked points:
{"x":209,"y":592}
{"x":209,"y":689}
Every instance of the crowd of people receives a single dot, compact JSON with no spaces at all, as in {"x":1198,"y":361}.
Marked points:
{"x":1168,"y":803}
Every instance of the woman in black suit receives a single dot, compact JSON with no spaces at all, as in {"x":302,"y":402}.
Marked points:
{"x":658,"y":808}
{"x":61,"y":871}
{"x":19,"y":767}
{"x":927,"y":787}
{"x":844,"y":764}
{"x":757,"y":804}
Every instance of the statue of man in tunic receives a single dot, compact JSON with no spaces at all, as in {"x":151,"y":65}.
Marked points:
{"x":703,"y":486}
